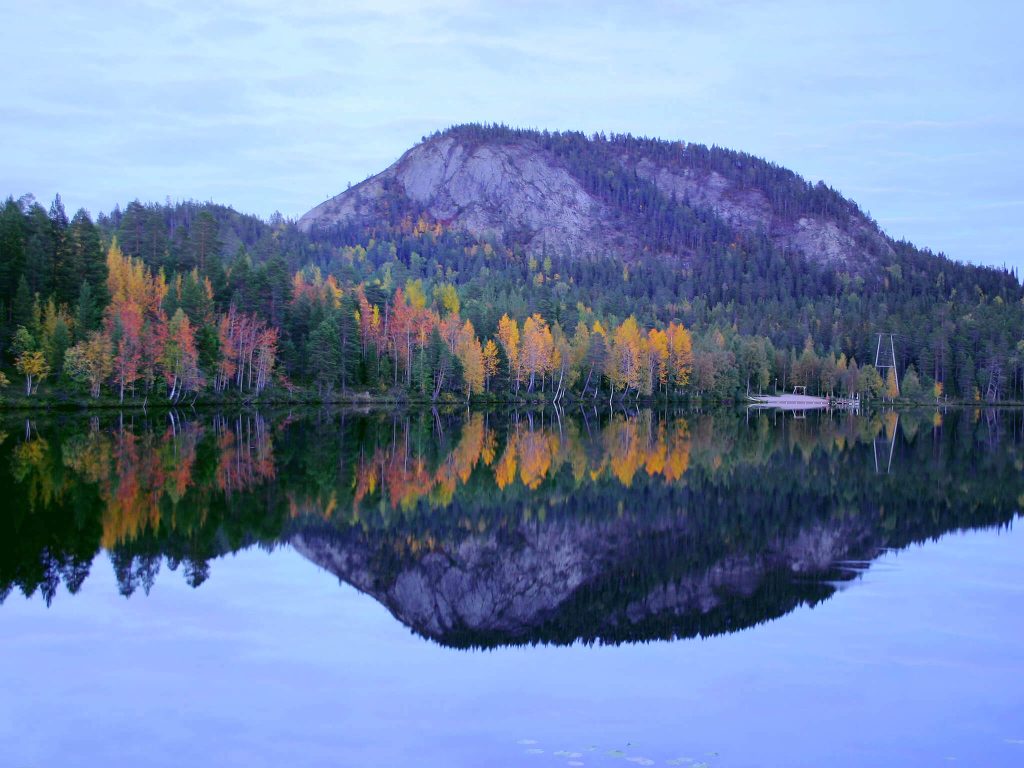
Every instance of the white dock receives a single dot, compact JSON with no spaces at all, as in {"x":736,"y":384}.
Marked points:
{"x":789,"y":402}
{"x":803,"y":402}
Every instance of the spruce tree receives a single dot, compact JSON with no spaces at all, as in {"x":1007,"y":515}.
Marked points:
{"x":12,"y":249}
{"x":86,"y":315}
{"x":21,"y":309}
{"x":324,"y":354}
{"x":348,"y":341}
{"x":88,"y":261}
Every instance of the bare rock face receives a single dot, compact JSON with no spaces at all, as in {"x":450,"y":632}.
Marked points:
{"x":490,"y":191}
{"x":745,"y":209}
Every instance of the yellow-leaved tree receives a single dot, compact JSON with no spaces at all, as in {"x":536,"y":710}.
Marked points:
{"x":625,"y":360}
{"x":470,"y":355}
{"x":538,"y":346}
{"x":91,"y":361}
{"x":680,"y":354}
{"x":29,"y":360}
{"x":892,"y":388}
{"x":490,"y":353}
{"x":657,"y":352}
{"x":508,"y":336}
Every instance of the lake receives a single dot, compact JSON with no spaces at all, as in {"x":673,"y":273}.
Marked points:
{"x":537,"y":588}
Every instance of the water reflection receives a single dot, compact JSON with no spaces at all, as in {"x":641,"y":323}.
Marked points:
{"x":478,"y":529}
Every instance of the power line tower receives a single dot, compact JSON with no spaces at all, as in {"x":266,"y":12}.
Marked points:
{"x":994,"y":373}
{"x":883,"y":368}
{"x":886,"y":442}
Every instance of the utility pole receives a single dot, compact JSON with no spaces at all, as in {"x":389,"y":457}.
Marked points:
{"x":881,"y":367}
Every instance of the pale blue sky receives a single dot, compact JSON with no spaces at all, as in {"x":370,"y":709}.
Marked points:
{"x":913,"y":109}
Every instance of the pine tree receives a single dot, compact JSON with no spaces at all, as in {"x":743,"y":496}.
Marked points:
{"x":324,"y":354}
{"x":348,"y":341}
{"x":55,"y":335}
{"x":87,"y":261}
{"x":206,"y":240}
{"x":21,"y":311}
{"x":911,"y":384}
{"x":86,"y":314}
{"x":12,"y":250}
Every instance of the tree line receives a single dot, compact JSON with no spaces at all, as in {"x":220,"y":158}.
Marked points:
{"x":166,"y":338}
{"x":196,"y":298}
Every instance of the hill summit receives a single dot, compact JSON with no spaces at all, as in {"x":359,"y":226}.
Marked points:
{"x":575,"y":196}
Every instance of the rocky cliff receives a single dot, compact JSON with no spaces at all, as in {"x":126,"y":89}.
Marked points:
{"x":501,"y":191}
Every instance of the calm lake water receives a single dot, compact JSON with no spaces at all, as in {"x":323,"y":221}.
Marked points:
{"x":332,"y":588}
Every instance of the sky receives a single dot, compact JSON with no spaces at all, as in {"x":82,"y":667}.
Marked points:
{"x":913,"y":109}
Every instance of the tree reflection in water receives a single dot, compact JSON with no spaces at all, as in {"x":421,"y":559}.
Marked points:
{"x":508,"y":527}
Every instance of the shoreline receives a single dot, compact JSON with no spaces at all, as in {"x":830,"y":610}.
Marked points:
{"x":59,"y":403}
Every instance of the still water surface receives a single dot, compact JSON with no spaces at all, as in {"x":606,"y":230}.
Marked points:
{"x":333,"y":588}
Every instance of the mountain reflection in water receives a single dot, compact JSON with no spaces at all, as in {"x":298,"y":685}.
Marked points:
{"x":482,"y":529}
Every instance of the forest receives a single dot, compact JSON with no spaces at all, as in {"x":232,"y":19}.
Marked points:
{"x":179,"y":302}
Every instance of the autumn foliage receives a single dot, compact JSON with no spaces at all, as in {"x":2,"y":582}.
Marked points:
{"x":139,"y":349}
{"x":160,"y":338}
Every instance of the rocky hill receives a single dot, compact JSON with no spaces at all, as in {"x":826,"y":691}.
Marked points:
{"x":569,"y":195}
